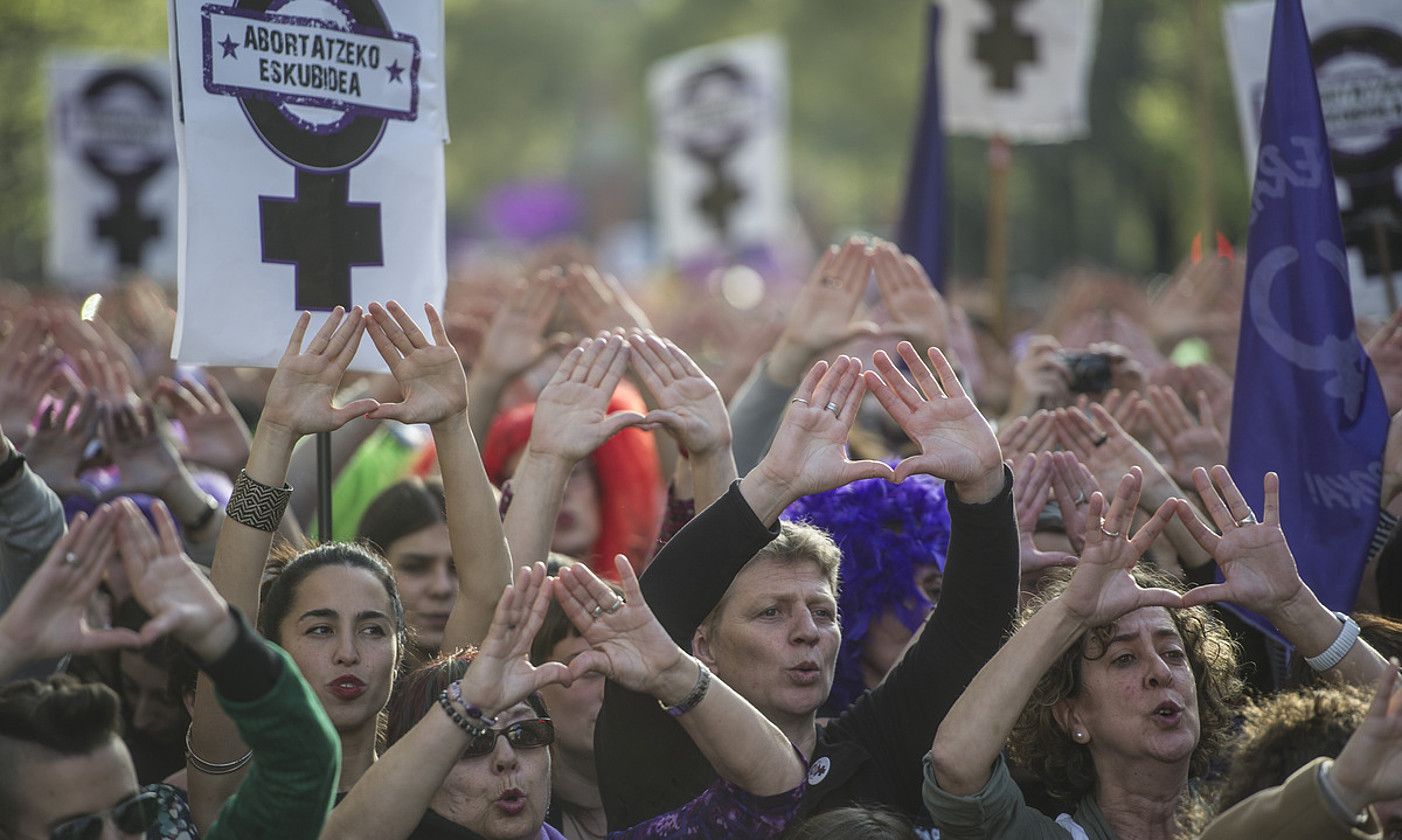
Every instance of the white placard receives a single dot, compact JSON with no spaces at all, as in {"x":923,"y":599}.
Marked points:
{"x":1357,"y":50}
{"x":720,"y":163}
{"x":1019,"y":69}
{"x":311,"y":163}
{"x":112,"y":171}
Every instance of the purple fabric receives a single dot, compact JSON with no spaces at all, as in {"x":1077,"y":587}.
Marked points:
{"x":721,"y":811}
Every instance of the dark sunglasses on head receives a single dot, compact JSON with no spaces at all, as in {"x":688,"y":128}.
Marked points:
{"x":133,"y":815}
{"x":526,"y":733}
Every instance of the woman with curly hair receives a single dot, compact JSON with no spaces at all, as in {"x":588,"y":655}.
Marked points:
{"x":1118,"y":687}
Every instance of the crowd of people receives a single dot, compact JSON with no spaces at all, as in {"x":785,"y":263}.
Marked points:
{"x":896,"y":576}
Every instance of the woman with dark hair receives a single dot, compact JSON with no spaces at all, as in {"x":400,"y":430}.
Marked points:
{"x":474,"y":766}
{"x":336,"y":608}
{"x":1118,"y":687}
{"x":407,"y":524}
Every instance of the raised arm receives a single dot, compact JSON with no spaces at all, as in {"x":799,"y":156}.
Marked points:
{"x":571,"y":420}
{"x":390,"y":799}
{"x":435,"y":392}
{"x":820,"y":320}
{"x":1259,"y":573}
{"x":690,"y":408}
{"x":1101,"y":590}
{"x":514,"y":343}
{"x":631,"y":648}
{"x":299,"y":402}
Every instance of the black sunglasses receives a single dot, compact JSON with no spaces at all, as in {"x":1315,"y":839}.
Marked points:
{"x":526,"y":733}
{"x":133,"y":815}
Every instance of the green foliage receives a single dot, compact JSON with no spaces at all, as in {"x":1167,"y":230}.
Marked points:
{"x":555,"y":88}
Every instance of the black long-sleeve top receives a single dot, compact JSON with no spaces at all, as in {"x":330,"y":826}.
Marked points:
{"x":872,"y":752}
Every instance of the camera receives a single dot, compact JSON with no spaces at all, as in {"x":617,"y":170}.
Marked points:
{"x":1090,"y":372}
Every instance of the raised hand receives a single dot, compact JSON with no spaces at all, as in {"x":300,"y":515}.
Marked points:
{"x":1192,"y":442}
{"x":215,"y":434}
{"x":628,"y":643}
{"x":822,"y":313}
{"x":56,"y":450}
{"x":1258,"y":569}
{"x":299,"y":399}
{"x":603,"y":305}
{"x":139,"y":443}
{"x":1106,"y":449}
{"x":956,"y":442}
{"x":1217,"y":385}
{"x":502,"y":674}
{"x":571,"y":413}
{"x":809,"y":452}
{"x":180,"y":600}
{"x":516,"y":340}
{"x":917,"y":311}
{"x":1102,"y":588}
{"x":1384,"y":347}
{"x":1369,"y":769}
{"x":430,"y":376}
{"x":23,"y":382}
{"x":1042,"y":379}
{"x":1124,"y":407}
{"x":1073,"y":485}
{"x":48,"y":617}
{"x":1032,"y":484}
{"x":689,"y":405}
{"x":1027,"y":434}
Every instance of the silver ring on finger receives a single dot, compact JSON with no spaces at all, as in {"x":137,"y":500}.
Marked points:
{"x":71,"y":558}
{"x":1248,"y":519}
{"x":1100,"y":441}
{"x":1110,"y":534}
{"x":597,"y":611}
{"x":1080,"y":498}
{"x":799,"y":400}
{"x":615,"y":606}
{"x":832,"y":406}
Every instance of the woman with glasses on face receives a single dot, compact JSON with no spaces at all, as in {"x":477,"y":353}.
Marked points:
{"x":474,"y":763}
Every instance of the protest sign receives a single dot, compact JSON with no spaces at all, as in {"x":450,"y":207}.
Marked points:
{"x":1018,"y":68}
{"x":1356,"y":47}
{"x":112,"y":172}
{"x":311,"y":166}
{"x":720,"y":164}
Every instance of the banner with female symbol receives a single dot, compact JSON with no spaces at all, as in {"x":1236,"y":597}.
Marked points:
{"x":310,"y":135}
{"x":112,"y":179}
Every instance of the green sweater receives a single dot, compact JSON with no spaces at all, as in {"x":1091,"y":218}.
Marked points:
{"x":296,"y":762}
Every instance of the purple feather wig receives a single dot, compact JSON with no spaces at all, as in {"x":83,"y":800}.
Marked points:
{"x":884,"y":531}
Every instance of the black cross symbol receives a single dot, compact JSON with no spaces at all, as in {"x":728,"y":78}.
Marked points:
{"x":322,"y":235}
{"x":720,"y":197}
{"x":124,"y":224}
{"x":1002,"y":47}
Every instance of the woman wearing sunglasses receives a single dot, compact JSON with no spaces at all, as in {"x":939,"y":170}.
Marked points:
{"x":474,"y":765}
{"x":65,"y":773}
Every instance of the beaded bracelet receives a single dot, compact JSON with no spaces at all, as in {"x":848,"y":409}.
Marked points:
{"x":703,"y":682}
{"x":209,"y":767}
{"x":455,"y":692}
{"x":256,"y":504}
{"x":462,"y":722}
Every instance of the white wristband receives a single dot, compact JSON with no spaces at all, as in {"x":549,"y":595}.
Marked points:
{"x":1347,"y":638}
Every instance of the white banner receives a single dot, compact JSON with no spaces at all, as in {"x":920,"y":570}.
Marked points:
{"x":311,"y":163}
{"x":1357,"y":50}
{"x":720,"y":164}
{"x":1019,"y":69}
{"x":112,"y":171}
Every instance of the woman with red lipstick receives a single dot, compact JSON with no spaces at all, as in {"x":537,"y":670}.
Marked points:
{"x":1118,"y":686}
{"x":336,"y":608}
{"x":474,"y":765}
